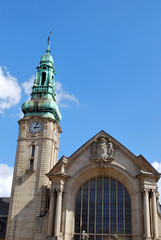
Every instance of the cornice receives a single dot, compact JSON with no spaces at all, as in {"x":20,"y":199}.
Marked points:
{"x":143,"y":174}
{"x":35,"y":139}
{"x":63,"y":161}
{"x":59,"y":175}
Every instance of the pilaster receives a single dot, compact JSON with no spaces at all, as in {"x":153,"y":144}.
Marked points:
{"x":58,"y":212}
{"x":154,"y":210}
{"x":147,"y":234}
{"x":51,"y":214}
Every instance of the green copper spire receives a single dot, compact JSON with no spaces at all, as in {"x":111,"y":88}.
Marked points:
{"x":43,"y":91}
{"x":48,"y":50}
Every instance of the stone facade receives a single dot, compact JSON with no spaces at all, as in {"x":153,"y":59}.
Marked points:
{"x":34,"y":216}
{"x":31,"y":187}
{"x":134,"y":173}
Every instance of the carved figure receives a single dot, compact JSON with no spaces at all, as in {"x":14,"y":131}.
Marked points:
{"x":102,"y":149}
{"x":110,"y":149}
{"x":99,"y":150}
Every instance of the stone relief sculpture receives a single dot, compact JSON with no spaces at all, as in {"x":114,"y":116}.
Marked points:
{"x":110,"y":149}
{"x":102,"y":150}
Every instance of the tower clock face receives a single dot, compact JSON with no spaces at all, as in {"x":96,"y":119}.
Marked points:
{"x":35,"y":127}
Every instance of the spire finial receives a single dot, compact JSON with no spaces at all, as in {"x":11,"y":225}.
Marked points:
{"x":48,"y":51}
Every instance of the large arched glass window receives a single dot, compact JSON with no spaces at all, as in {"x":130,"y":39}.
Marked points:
{"x":102,"y":210}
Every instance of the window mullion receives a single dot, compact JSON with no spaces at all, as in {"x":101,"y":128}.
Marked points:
{"x":95,"y":207}
{"x":81,"y":211}
{"x":124,"y":208}
{"x":88,"y":207}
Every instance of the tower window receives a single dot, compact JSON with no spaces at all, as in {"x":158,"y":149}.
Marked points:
{"x":31,"y":164}
{"x":33,"y":151}
{"x":43,"y":78}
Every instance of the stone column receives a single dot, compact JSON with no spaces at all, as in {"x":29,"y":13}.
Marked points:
{"x":155,"y":222}
{"x":146,"y":214}
{"x":51,"y":214}
{"x":58,"y":212}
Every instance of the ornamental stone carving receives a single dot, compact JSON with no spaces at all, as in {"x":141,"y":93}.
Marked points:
{"x":115,"y":237}
{"x":102,"y":151}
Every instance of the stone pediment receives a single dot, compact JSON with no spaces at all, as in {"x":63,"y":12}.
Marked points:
{"x":103,"y":150}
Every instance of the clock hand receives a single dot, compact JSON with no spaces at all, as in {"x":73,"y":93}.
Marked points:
{"x":36,"y":125}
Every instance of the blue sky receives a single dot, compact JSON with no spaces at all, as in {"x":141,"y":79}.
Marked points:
{"x":107,"y":57}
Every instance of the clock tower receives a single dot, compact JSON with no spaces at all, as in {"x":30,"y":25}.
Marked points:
{"x":37,"y":153}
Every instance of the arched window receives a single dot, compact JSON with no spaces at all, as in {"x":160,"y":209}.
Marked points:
{"x":102,"y":210}
{"x":43,"y":78}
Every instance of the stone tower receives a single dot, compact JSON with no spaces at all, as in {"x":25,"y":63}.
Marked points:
{"x":37,"y":153}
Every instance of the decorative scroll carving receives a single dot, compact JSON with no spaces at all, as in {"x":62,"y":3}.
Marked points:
{"x":146,"y":190}
{"x":102,"y":150}
{"x":59,"y":188}
{"x":154,"y":190}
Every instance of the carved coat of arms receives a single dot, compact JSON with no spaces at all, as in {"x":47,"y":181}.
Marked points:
{"x":102,"y":150}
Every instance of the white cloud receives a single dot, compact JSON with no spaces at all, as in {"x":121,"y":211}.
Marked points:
{"x":28,"y":85}
{"x":62,"y":97}
{"x":157,"y":166}
{"x":6,"y":174}
{"x":20,"y":114}
{"x":10,"y":91}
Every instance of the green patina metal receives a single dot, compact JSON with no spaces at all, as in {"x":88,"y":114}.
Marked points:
{"x":43,"y":100}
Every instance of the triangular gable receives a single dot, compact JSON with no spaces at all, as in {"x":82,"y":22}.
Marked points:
{"x":138,"y":160}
